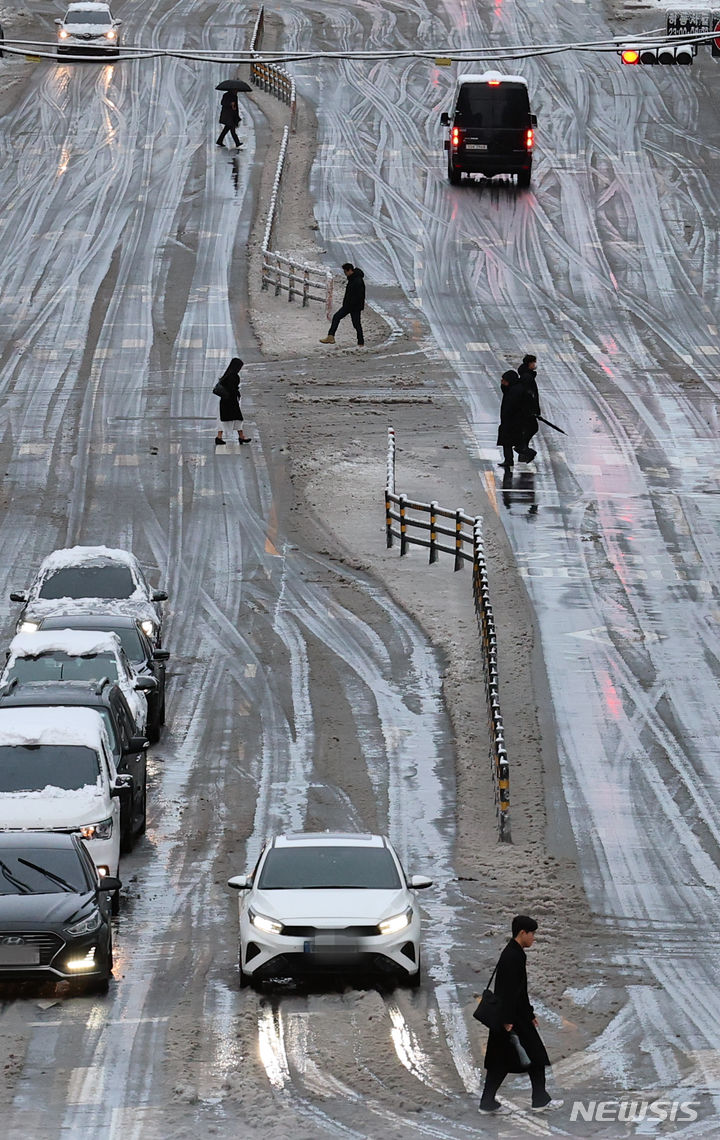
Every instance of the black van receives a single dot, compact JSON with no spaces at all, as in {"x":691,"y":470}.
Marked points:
{"x":491,"y":128}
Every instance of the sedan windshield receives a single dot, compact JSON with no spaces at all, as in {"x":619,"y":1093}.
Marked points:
{"x":41,"y":872}
{"x":86,"y":16}
{"x":63,"y":667}
{"x":88,"y":582}
{"x":329,"y":868}
{"x":32,"y":767}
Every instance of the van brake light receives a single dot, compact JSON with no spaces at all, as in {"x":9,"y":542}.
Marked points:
{"x":455,"y":136}
{"x":493,"y":82}
{"x":529,"y":139}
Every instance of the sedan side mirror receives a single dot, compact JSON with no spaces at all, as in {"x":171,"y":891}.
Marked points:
{"x":445,"y":119}
{"x":161,"y":654}
{"x":17,"y":597}
{"x":146,"y":684}
{"x":239,"y":883}
{"x":107,"y":883}
{"x":159,"y":595}
{"x":58,"y":21}
{"x":419,"y":882}
{"x":533,"y":120}
{"x":117,"y":23}
{"x":136,"y":744}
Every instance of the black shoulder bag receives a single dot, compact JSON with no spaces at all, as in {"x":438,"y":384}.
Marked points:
{"x":488,"y":1009}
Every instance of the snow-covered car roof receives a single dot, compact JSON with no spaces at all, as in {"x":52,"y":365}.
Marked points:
{"x":134,"y":607}
{"x":329,"y":839}
{"x":77,"y":555}
{"x":91,"y":6}
{"x":74,"y":642}
{"x":488,"y":76}
{"x":52,"y":725}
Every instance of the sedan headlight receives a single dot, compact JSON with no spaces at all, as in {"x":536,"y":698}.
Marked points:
{"x":101,"y":830}
{"x":148,"y":627}
{"x":30,"y":626}
{"x":396,"y":922}
{"x":111,"y":35}
{"x":62,"y":35}
{"x":267,"y":925}
{"x":86,"y":925}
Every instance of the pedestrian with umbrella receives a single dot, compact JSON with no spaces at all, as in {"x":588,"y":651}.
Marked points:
{"x":517,"y":421}
{"x":514,"y":1044}
{"x":229,"y":113}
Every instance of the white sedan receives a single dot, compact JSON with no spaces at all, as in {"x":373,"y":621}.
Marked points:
{"x":328,"y":900}
{"x":88,"y":28}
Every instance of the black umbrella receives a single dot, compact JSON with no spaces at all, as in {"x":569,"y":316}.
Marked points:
{"x":233,"y":85}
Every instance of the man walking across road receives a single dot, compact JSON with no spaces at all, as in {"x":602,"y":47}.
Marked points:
{"x":527,"y":371}
{"x":229,"y":117}
{"x":352,"y":306}
{"x":502,"y":1055}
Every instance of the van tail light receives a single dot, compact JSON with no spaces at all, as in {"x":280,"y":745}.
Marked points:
{"x":529,"y":138}
{"x":455,"y":136}
{"x":493,"y":82}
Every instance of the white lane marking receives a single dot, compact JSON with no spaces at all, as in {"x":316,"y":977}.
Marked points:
{"x":86,"y":1085}
{"x":272,"y":1048}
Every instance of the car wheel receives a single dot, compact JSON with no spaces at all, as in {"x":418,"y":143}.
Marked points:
{"x":244,"y":979}
{"x":143,"y":815}
{"x":154,"y":729}
{"x":115,"y":902}
{"x":161,"y":718}
{"x":523,"y":178}
{"x":454,"y":176}
{"x":127,"y":834}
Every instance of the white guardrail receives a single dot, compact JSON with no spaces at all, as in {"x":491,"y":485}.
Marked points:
{"x":467,"y":546}
{"x":309,"y":282}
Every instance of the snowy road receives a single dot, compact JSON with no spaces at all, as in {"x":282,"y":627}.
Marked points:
{"x":608,"y":270}
{"x":122,"y":235}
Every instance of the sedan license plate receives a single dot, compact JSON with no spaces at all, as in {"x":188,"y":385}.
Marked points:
{"x":19,"y":956}
{"x":330,"y":946}
{"x":475,"y":146}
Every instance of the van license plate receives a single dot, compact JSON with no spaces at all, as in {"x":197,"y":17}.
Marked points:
{"x":475,"y":146}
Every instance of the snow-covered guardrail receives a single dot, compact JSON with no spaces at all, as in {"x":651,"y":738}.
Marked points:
{"x":309,"y":282}
{"x":465,"y":543}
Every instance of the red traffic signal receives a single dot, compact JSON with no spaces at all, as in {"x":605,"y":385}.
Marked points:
{"x":630,"y":55}
{"x":649,"y":53}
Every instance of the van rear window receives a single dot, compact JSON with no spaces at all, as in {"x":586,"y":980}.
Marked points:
{"x":479,"y":105}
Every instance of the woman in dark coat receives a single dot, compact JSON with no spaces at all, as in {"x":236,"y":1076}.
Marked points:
{"x":229,"y":117}
{"x":230,"y":417}
{"x":501,"y":1055}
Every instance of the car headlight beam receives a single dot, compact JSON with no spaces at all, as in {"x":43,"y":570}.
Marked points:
{"x":30,"y":626}
{"x":396,"y":922}
{"x":266,"y":925}
{"x":148,"y":627}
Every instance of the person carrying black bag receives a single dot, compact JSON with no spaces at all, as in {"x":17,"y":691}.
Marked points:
{"x":230,"y":417}
{"x":514,"y":1044}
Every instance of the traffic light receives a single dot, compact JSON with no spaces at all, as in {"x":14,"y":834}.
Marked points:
{"x":657,"y":53}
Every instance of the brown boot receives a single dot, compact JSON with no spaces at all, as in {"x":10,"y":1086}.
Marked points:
{"x":327,"y":339}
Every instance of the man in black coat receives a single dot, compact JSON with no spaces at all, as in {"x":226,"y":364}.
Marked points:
{"x":229,"y":117}
{"x":501,"y":1055}
{"x":527,"y":371}
{"x":352,"y":306}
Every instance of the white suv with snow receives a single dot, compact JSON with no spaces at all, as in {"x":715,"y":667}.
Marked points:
{"x":328,"y":901}
{"x":88,"y":28}
{"x":57,"y":774}
{"x":77,"y":655}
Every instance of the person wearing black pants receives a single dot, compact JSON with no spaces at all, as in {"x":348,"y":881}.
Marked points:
{"x":229,"y":117}
{"x":352,"y":306}
{"x":519,"y":1026}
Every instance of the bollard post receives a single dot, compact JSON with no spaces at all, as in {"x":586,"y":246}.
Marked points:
{"x":306,"y":287}
{"x":433,"y":535}
{"x":291,"y":280}
{"x":458,"y":540}
{"x":403,"y":527}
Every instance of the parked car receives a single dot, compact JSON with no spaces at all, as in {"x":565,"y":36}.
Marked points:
{"x":88,"y":579}
{"x":146,"y":661}
{"x":74,"y":655}
{"x":54,"y":911}
{"x":319,"y":901}
{"x":128,"y":747}
{"x":491,"y":128}
{"x":88,"y":28}
{"x":57,"y":774}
